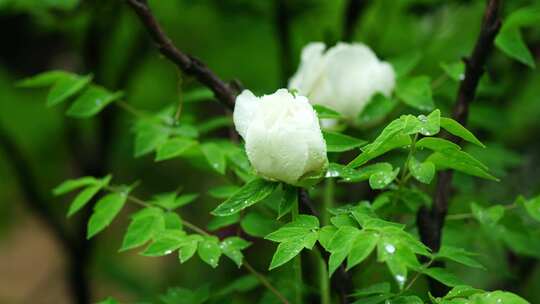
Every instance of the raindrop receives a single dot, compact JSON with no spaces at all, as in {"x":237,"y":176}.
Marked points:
{"x":422,"y":118}
{"x":461,"y":76}
{"x":390,"y":248}
{"x":400,"y":279}
{"x":168,"y":251}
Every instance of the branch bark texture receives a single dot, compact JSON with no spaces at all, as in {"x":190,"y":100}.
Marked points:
{"x":187,"y":63}
{"x":430,"y":222}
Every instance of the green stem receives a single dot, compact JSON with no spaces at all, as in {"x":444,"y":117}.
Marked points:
{"x":297,"y":262}
{"x":328,"y":202}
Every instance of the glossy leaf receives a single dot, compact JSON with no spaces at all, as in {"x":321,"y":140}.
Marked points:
{"x":174,"y":147}
{"x":416,"y":92}
{"x":209,"y":251}
{"x":105,"y":211}
{"x":214,"y":156}
{"x":166,"y":242}
{"x":143,"y":227}
{"x":250,"y":194}
{"x":383,"y":178}
{"x":67,"y":86}
{"x":92,"y":101}
{"x":337,"y":142}
{"x":423,"y":172}
{"x":232,"y":247}
{"x":458,"y":130}
{"x":442,"y":275}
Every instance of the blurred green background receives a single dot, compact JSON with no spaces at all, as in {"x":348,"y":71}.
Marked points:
{"x":238,"y":39}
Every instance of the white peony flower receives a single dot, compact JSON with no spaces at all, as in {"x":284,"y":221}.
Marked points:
{"x":282,"y":134}
{"x":343,"y":78}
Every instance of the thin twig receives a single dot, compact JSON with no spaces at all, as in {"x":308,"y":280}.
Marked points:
{"x":188,"y":64}
{"x":431,"y":221}
{"x":264,"y":281}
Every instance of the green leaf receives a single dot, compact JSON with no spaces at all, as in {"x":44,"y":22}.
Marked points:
{"x":498,"y":297}
{"x":436,"y":144}
{"x":86,"y":195}
{"x":178,"y":295}
{"x":45,"y":79}
{"x":423,"y":172}
{"x":416,"y":92}
{"x":443,"y":276}
{"x":285,"y":252}
{"x":510,"y":41}
{"x":294,"y":236}
{"x":188,"y":247}
{"x":171,"y":201}
{"x":456,"y":70}
{"x":340,"y":246}
{"x":165,"y":242}
{"x":324,"y":112}
{"x":222,"y":192}
{"x":198,"y":95}
{"x":458,"y":130}
{"x":462,"y":291}
{"x":105,"y":211}
{"x":377,"y":109}
{"x":73,"y":184}
{"x":232,"y":246}
{"x":458,"y":255}
{"x":144,"y":225}
{"x":337,"y":142}
{"x":405,"y":63}
{"x":66,"y":87}
{"x":172,"y":220}
{"x":533,"y":207}
{"x":219,"y":222}
{"x":149,"y":137}
{"x":363,"y":245}
{"x":430,"y":125}
{"x":289,"y":198}
{"x":215,"y":157}
{"x":379,"y":288}
{"x":209,"y":250}
{"x":174,"y":147}
{"x":459,"y":161}
{"x":250,"y":194}
{"x":258,"y":225}
{"x":109,"y":300}
{"x":372,"y":151}
{"x":92,"y":101}
{"x":383,"y":178}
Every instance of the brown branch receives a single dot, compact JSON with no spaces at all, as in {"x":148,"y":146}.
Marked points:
{"x":352,"y":12}
{"x":431,"y":221}
{"x":188,"y":64}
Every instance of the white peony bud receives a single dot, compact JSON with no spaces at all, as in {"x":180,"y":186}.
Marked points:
{"x":343,"y":78}
{"x":282,"y":134}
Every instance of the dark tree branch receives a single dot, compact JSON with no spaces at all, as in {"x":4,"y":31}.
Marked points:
{"x":431,"y":221}
{"x":353,"y":10}
{"x":282,"y":21}
{"x":188,"y":64}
